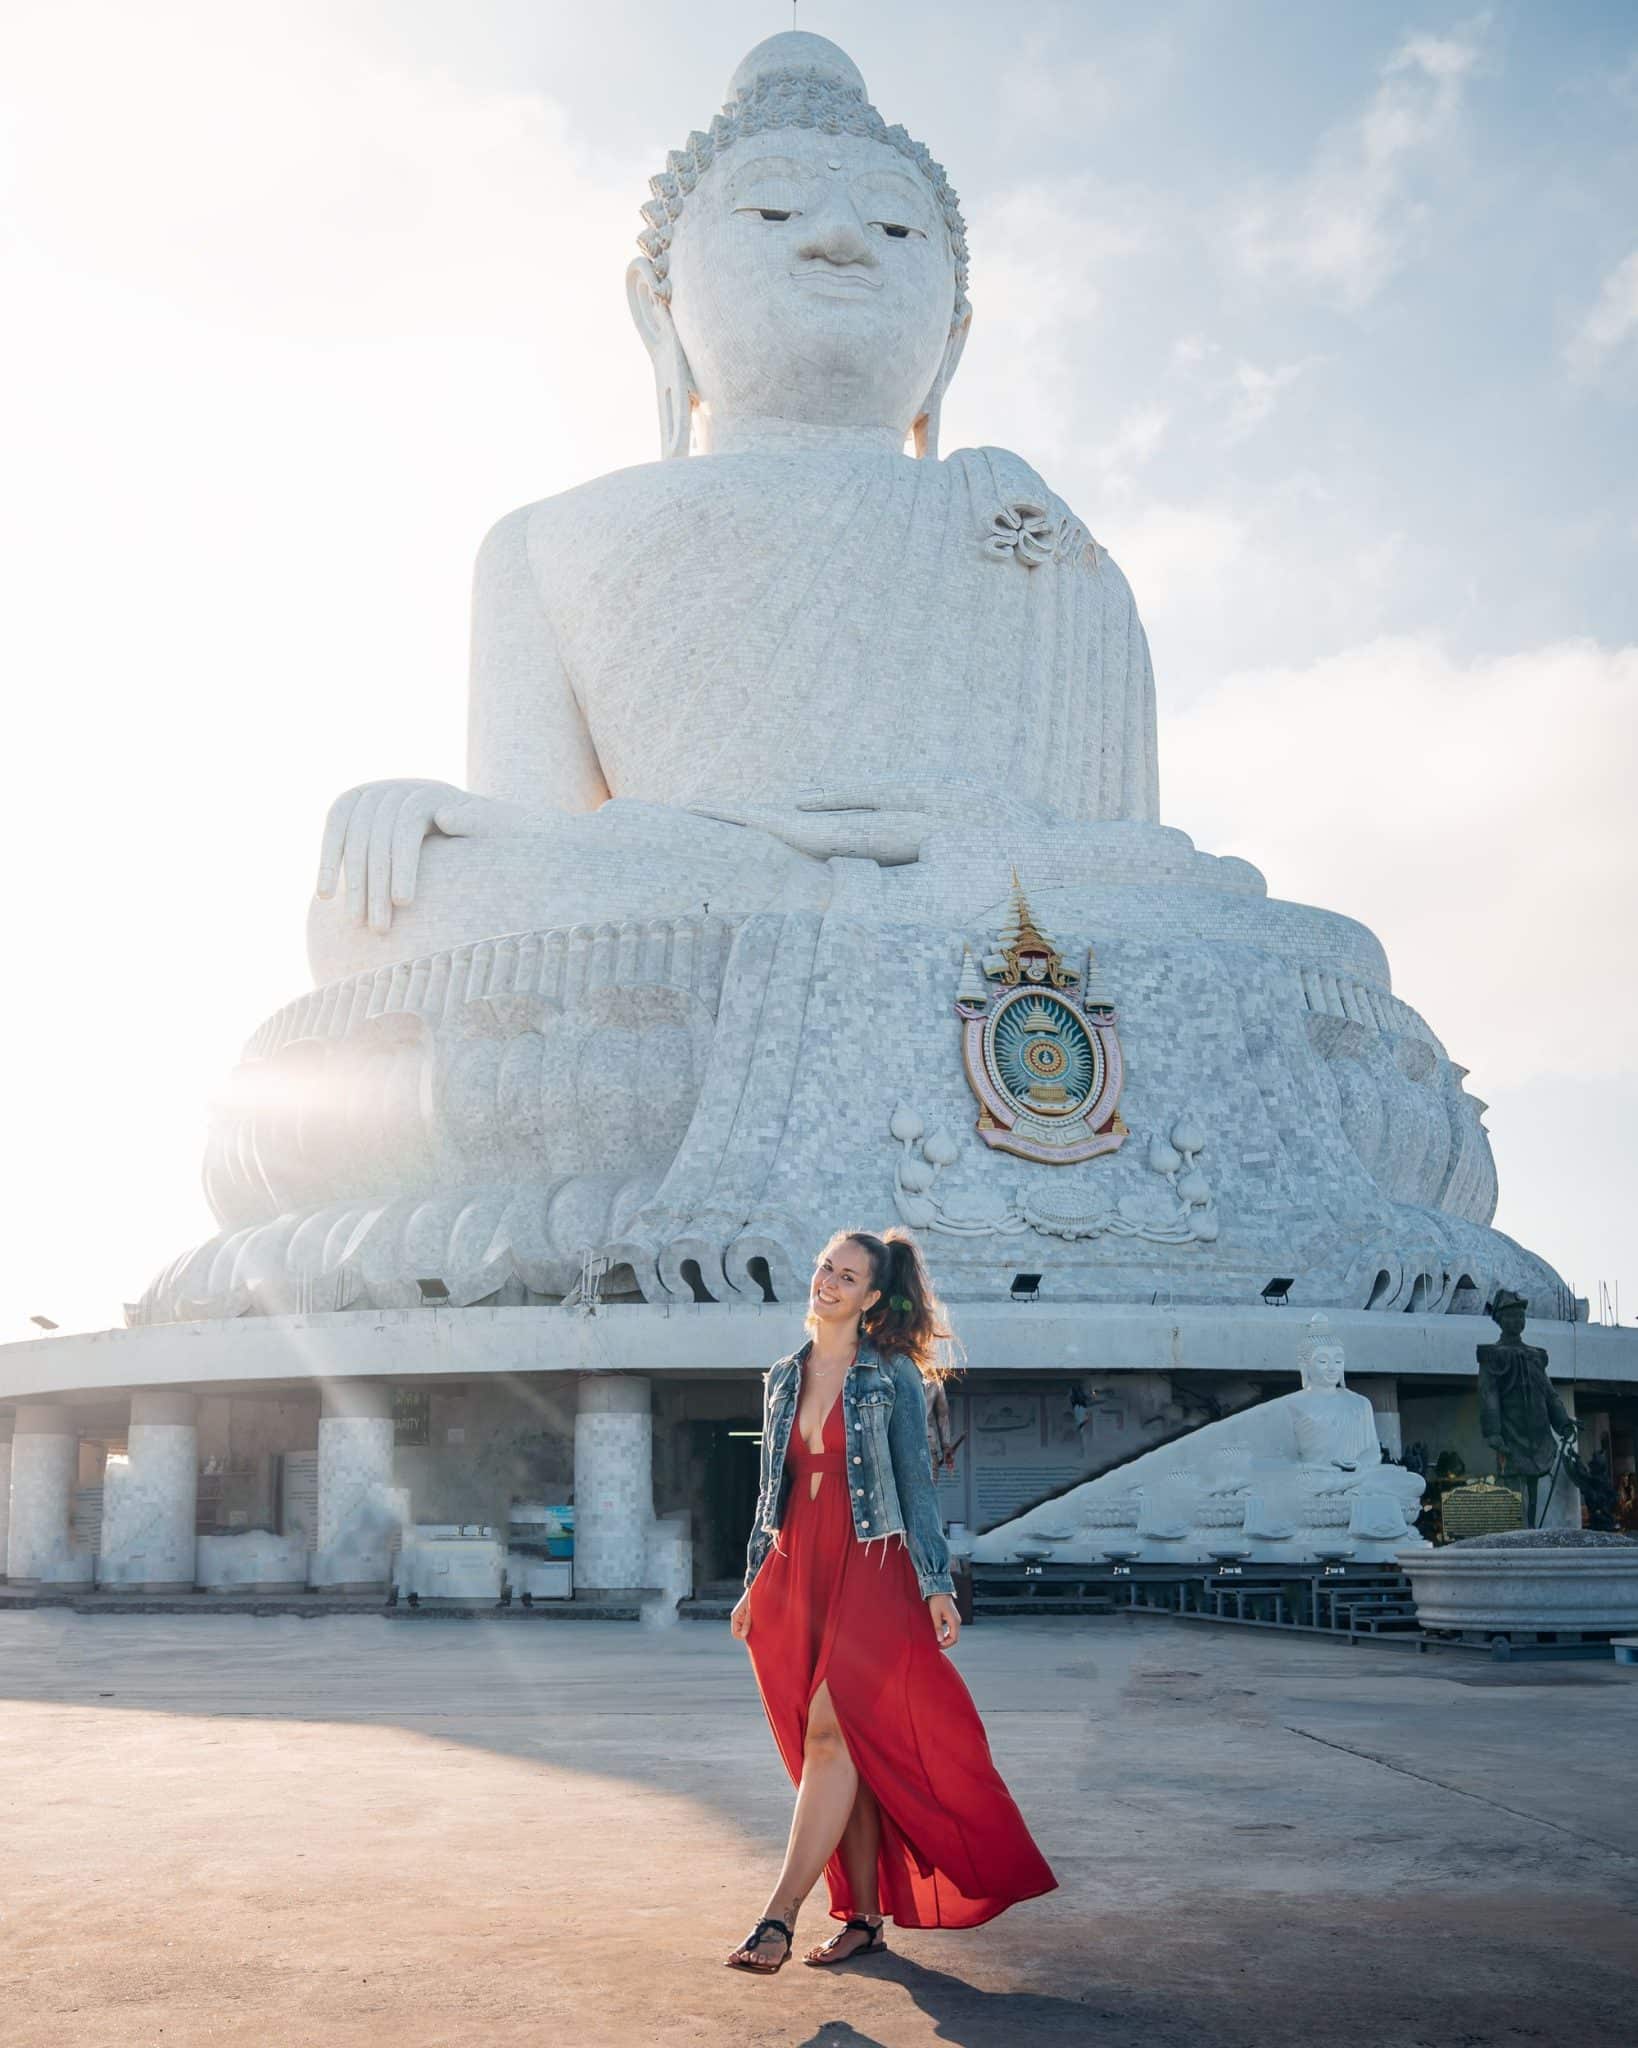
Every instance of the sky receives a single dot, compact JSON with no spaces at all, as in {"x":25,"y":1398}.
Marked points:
{"x":1324,"y":320}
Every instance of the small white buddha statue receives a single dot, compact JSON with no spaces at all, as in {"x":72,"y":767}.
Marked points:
{"x":1338,"y":1479}
{"x":698,"y":680}
{"x":1335,"y":1428}
{"x":1295,"y":1478}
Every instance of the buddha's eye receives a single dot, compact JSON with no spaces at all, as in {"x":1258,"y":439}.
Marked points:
{"x":769,"y":212}
{"x":898,"y":230}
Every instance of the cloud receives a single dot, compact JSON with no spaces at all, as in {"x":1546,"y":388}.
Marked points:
{"x":1045,"y":90}
{"x":1256,"y":393}
{"x":1040,"y":92}
{"x":1181,"y":553}
{"x":1051,"y":255}
{"x":1475,"y":814}
{"x":1610,"y":322}
{"x":1189,"y":351}
{"x":1357,"y":214}
{"x":1137,"y":436}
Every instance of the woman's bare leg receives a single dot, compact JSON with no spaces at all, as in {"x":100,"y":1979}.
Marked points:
{"x":824,"y":1803}
{"x":861,"y":1844}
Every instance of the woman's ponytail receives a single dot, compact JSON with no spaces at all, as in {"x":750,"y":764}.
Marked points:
{"x":908,"y":1317}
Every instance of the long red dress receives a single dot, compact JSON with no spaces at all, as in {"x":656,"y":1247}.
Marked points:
{"x":954,"y":1847}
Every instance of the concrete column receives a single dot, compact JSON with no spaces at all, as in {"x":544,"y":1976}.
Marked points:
{"x":359,"y":1515}
{"x":5,"y":1490}
{"x":150,"y":1499}
{"x":613,"y":1480}
{"x":1383,"y":1395}
{"x":45,"y":1456}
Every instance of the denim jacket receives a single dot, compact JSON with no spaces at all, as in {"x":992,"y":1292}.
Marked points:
{"x":890,"y":1475}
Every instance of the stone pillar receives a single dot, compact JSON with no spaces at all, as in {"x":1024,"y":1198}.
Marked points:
{"x":5,"y":1490}
{"x":45,"y":1458}
{"x":613,"y":1480}
{"x":150,"y":1499}
{"x":1383,"y":1395}
{"x":359,"y":1515}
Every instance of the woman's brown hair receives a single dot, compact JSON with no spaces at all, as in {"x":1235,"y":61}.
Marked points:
{"x":908,"y":1317}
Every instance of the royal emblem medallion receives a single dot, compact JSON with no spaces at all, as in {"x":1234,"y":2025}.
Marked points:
{"x":1039,"y":1044}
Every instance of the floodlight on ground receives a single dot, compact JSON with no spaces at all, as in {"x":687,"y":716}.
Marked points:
{"x":42,"y":1322}
{"x":1277,"y":1294}
{"x":1026,"y":1287}
{"x":433,"y":1292}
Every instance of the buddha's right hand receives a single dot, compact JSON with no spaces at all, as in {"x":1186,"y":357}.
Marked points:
{"x":372,"y":839}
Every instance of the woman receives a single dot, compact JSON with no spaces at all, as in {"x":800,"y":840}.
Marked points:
{"x":847,"y":1609}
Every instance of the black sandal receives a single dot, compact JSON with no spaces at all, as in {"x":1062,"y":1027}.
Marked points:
{"x":762,"y":1969}
{"x":824,"y":1959}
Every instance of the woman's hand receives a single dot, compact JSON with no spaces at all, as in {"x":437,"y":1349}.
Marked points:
{"x":946,"y":1621}
{"x":739,"y":1622}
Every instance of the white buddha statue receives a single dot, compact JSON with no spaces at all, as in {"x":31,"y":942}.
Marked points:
{"x":1338,"y":1479}
{"x":697,"y":680}
{"x":1294,"y":1479}
{"x":758,"y":734}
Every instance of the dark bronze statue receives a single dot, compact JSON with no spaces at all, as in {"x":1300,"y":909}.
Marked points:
{"x":1520,"y":1413}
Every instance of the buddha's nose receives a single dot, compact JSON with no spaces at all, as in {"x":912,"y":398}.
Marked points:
{"x":837,"y":235}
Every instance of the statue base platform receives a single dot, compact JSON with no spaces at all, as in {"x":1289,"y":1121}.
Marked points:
{"x":692,"y":1103}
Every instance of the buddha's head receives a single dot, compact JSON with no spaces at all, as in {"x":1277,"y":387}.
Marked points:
{"x":803,"y":262}
{"x":1321,"y":1358}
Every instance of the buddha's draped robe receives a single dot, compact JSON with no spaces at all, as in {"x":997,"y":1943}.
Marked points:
{"x":743,"y":628}
{"x":1335,"y":1427}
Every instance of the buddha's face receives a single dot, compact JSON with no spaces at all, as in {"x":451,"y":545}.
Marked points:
{"x":1325,"y":1366}
{"x":812,"y":279}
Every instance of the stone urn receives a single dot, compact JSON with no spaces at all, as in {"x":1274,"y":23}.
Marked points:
{"x":1528,"y":1581}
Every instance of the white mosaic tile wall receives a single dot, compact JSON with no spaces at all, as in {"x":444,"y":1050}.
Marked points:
{"x":43,"y":1470}
{"x":149,"y":1506}
{"x":613,"y":1481}
{"x":359,"y":1514}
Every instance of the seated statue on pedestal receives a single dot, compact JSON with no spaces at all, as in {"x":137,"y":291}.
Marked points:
{"x":698,"y":680}
{"x":1297,"y":1479}
{"x":767,"y":738}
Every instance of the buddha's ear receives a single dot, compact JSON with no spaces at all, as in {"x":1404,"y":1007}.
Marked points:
{"x":924,"y":432}
{"x":674,"y":391}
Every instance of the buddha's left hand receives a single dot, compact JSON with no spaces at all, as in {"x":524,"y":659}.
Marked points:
{"x":886,"y":823}
{"x":946,"y":1621}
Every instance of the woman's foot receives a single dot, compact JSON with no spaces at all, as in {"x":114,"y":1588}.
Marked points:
{"x":766,"y":1949}
{"x":861,"y":1936}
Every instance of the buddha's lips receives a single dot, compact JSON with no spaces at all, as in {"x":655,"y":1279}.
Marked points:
{"x":852,"y":281}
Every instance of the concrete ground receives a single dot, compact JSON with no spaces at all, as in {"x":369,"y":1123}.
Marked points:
{"x":467,"y":1835}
